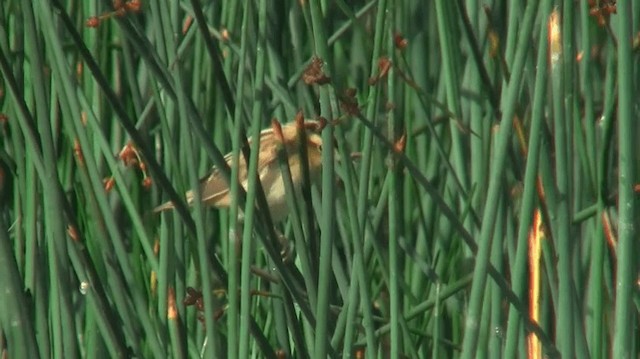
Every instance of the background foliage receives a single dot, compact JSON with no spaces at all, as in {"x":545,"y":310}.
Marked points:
{"x":489,"y":209}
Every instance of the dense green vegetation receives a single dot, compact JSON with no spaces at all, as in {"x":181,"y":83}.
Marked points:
{"x":450,"y":127}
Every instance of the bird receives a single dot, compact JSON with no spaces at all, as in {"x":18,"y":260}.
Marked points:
{"x":214,"y":189}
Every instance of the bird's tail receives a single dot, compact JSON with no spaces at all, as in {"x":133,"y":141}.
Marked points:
{"x":164,"y":207}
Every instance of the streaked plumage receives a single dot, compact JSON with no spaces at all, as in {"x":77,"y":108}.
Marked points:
{"x":214,"y":189}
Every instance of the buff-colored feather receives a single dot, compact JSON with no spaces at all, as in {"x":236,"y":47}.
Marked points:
{"x":215,"y":191}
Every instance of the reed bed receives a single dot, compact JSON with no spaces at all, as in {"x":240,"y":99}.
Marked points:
{"x":478,"y":195}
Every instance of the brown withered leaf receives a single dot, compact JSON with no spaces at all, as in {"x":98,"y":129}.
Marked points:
{"x":313,"y":74}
